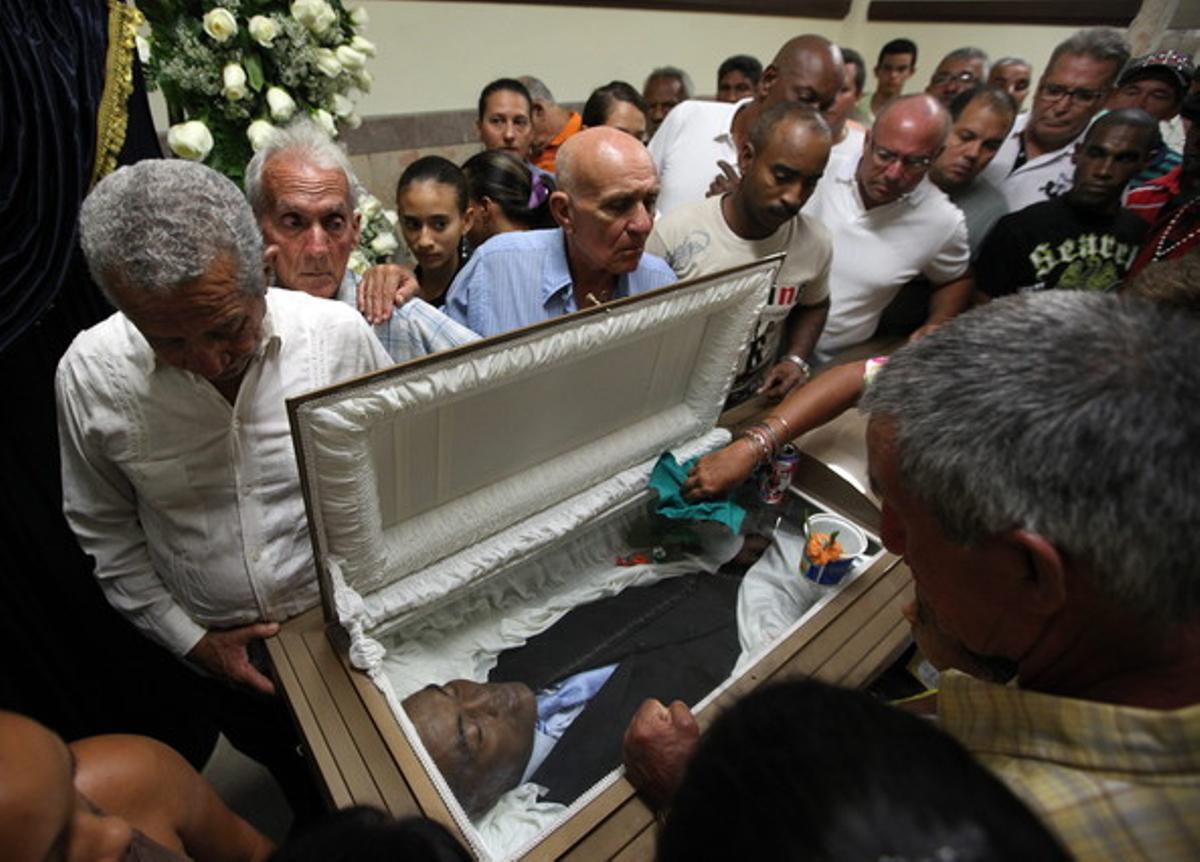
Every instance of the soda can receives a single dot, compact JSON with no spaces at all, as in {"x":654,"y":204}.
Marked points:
{"x":774,"y":481}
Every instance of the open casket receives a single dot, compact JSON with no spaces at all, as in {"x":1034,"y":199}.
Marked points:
{"x":461,"y":504}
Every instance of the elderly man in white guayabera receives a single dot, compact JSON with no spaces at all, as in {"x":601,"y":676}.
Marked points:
{"x":179,"y":476}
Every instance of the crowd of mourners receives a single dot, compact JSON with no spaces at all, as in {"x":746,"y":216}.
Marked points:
{"x":1023,"y":232}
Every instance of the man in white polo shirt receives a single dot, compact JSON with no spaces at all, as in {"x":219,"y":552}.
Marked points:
{"x":780,"y":167}
{"x":696,"y":135}
{"x":889,"y":224}
{"x":1035,"y":164}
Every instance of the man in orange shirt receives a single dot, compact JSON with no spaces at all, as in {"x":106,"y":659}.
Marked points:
{"x":552,"y":123}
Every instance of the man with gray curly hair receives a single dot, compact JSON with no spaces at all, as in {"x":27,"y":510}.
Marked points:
{"x":303,"y":193}
{"x":1036,"y":462}
{"x":1035,"y":162}
{"x":179,"y":477}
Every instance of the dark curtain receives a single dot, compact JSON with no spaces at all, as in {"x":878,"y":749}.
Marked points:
{"x":67,"y":658}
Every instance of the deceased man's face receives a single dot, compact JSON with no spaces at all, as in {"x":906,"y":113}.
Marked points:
{"x":479,"y":735}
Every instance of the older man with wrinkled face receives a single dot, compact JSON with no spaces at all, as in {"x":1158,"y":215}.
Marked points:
{"x":179,"y":477}
{"x":605,"y":209}
{"x":1034,"y":164}
{"x":302,"y":190}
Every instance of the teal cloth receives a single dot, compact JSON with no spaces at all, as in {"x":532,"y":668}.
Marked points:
{"x":667,"y":479}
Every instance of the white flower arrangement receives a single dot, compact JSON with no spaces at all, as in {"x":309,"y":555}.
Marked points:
{"x":377,"y":241}
{"x":230,"y":70}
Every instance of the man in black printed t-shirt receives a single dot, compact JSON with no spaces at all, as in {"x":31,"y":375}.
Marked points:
{"x":1083,"y":240}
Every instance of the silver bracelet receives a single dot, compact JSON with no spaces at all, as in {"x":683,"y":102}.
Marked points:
{"x":799,"y":362}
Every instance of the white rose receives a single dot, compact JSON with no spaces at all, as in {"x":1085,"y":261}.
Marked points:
{"x":363,"y":46}
{"x":342,"y":107}
{"x":263,"y":30}
{"x":281,"y":104}
{"x":369,"y":206}
{"x":351,"y":58}
{"x":363,"y":80}
{"x":190,"y":140}
{"x":234,"y":77}
{"x":358,"y":262}
{"x":359,"y":17}
{"x":324,"y":119}
{"x":326,"y":18}
{"x":392,"y":216}
{"x":385,"y":243}
{"x":328,"y":63}
{"x":352,"y":120}
{"x":258,"y":133}
{"x":220,"y":24}
{"x":306,"y":11}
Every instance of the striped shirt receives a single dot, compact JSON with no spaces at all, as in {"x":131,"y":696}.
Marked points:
{"x":519,"y":278}
{"x":415,"y":329}
{"x":1114,"y":782}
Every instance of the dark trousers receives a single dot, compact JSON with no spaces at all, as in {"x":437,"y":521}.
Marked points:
{"x":261,"y":728}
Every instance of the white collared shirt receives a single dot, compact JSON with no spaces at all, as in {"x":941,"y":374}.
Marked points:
{"x":1050,"y":175}
{"x":879,"y":250}
{"x":191,"y":506}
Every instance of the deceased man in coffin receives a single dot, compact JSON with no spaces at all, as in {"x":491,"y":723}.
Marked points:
{"x":554,"y":710}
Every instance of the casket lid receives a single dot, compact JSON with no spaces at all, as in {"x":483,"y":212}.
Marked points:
{"x":422,"y":463}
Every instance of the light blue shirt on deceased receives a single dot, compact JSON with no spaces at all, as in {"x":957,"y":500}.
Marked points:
{"x":522,"y":277}
{"x":560,"y":705}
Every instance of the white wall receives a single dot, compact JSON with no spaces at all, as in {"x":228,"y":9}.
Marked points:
{"x":437,"y":56}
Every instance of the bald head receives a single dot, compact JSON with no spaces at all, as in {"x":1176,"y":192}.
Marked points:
{"x":607,"y":189}
{"x":591,"y":155}
{"x":806,"y":69}
{"x":907,"y":138}
{"x":919,"y":112}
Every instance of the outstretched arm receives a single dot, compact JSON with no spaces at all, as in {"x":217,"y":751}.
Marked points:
{"x":826,"y":397}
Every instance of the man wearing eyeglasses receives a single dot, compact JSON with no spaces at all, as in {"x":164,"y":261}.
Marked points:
{"x":890,"y":225}
{"x":1035,"y":162}
{"x":961,"y":70}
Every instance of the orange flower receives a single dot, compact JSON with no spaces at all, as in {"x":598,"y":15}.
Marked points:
{"x":822,"y":548}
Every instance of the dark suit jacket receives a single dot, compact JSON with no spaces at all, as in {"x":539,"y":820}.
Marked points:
{"x":674,"y":640}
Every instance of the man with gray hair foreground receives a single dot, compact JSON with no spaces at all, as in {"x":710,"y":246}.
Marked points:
{"x":302,"y":190}
{"x":604,"y":205}
{"x":1042,"y":491}
{"x":179,"y":477}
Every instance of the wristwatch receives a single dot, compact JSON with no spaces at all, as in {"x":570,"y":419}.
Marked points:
{"x":799,"y":362}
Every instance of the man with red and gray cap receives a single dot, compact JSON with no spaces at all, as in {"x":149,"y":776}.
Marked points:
{"x":1157,"y":83}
